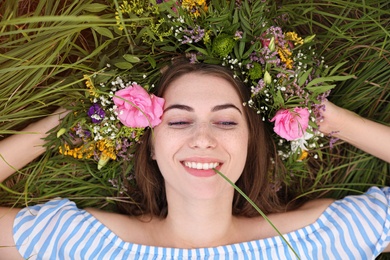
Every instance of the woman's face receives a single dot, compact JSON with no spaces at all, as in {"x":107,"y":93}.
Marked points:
{"x":203,"y":127}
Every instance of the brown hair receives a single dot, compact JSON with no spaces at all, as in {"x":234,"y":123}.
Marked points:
{"x":149,"y":191}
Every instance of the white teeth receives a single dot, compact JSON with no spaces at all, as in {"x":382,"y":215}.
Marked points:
{"x":201,"y":166}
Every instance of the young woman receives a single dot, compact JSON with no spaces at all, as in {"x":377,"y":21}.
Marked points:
{"x":184,"y":209}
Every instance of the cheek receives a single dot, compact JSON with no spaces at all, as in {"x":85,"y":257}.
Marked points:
{"x":243,"y":142}
{"x":164,"y":143}
{"x":241,"y":154}
{"x":237,"y":144}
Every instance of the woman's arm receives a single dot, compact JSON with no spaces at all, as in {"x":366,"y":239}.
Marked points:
{"x":15,"y":152}
{"x":18,"y":150}
{"x":369,"y":136}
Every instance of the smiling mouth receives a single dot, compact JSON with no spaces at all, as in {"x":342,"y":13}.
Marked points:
{"x":201,"y":166}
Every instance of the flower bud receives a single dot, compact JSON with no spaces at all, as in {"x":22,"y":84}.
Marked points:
{"x":61,"y":132}
{"x":309,"y":38}
{"x":267,"y":78}
{"x":271,"y":45}
{"x":103,"y":160}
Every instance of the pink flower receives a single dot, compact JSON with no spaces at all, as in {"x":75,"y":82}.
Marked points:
{"x":136,"y":108}
{"x":291,"y":125}
{"x":265,"y":42}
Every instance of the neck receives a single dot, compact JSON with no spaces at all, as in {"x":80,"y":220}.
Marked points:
{"x":200,"y":223}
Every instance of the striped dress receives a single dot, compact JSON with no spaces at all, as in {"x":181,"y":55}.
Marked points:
{"x":356,"y":227}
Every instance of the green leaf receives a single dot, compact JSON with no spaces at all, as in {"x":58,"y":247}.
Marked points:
{"x":168,"y":48}
{"x":220,"y":18}
{"x":250,"y":50}
{"x":152,"y":61}
{"x":245,"y":23}
{"x":95,"y":7}
{"x":242,"y":46}
{"x":201,"y":50}
{"x":304,"y":77}
{"x":308,"y":10}
{"x":336,"y":68}
{"x":235,"y":16}
{"x":247,"y":7}
{"x":131,"y":58}
{"x":103,"y":31}
{"x":278,"y":99}
{"x":327,"y":79}
{"x":321,"y":89}
{"x":123,"y":65}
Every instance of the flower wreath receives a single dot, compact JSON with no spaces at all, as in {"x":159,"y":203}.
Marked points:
{"x":287,"y":79}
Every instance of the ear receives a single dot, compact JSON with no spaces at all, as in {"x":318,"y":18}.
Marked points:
{"x":152,"y":154}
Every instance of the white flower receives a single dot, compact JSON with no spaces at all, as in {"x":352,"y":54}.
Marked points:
{"x":301,"y":142}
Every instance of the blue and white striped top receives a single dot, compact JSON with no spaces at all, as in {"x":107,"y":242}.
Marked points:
{"x":356,"y":227}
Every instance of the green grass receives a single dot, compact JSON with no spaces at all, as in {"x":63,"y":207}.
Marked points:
{"x":46,"y":46}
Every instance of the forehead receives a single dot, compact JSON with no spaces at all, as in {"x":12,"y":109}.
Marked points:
{"x":205,"y":88}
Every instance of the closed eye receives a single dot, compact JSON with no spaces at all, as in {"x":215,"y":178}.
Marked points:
{"x":179,"y":123}
{"x":226,"y":124}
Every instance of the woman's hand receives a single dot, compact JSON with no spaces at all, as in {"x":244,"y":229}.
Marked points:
{"x":371,"y":137}
{"x":333,"y":118}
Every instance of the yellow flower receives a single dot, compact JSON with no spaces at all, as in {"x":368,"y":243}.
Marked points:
{"x":90,"y":86}
{"x":106,"y":148}
{"x":303,"y":156}
{"x":82,"y":152}
{"x":289,"y":63}
{"x":118,"y":21}
{"x":285,"y":55}
{"x":194,"y":6}
{"x":292,"y":36}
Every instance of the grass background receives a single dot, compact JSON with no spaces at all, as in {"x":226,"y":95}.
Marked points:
{"x":46,"y":46}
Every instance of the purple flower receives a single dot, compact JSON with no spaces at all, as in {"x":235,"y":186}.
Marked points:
{"x":193,"y":35}
{"x":96,"y":113}
{"x":193,"y":58}
{"x":80,"y":132}
{"x":260,"y":85}
{"x":332,"y":141}
{"x":238,"y":35}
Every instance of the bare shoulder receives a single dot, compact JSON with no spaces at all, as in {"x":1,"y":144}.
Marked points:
{"x":316,"y":206}
{"x":293,"y":220}
{"x":128,"y":228}
{"x":307,"y":214}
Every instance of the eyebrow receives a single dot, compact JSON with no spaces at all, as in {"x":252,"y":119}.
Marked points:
{"x":214,"y":109}
{"x":225,"y":106}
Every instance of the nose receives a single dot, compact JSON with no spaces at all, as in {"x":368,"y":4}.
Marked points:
{"x":203,"y":137}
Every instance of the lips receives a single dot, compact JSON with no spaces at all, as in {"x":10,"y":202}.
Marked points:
{"x":201,"y":167}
